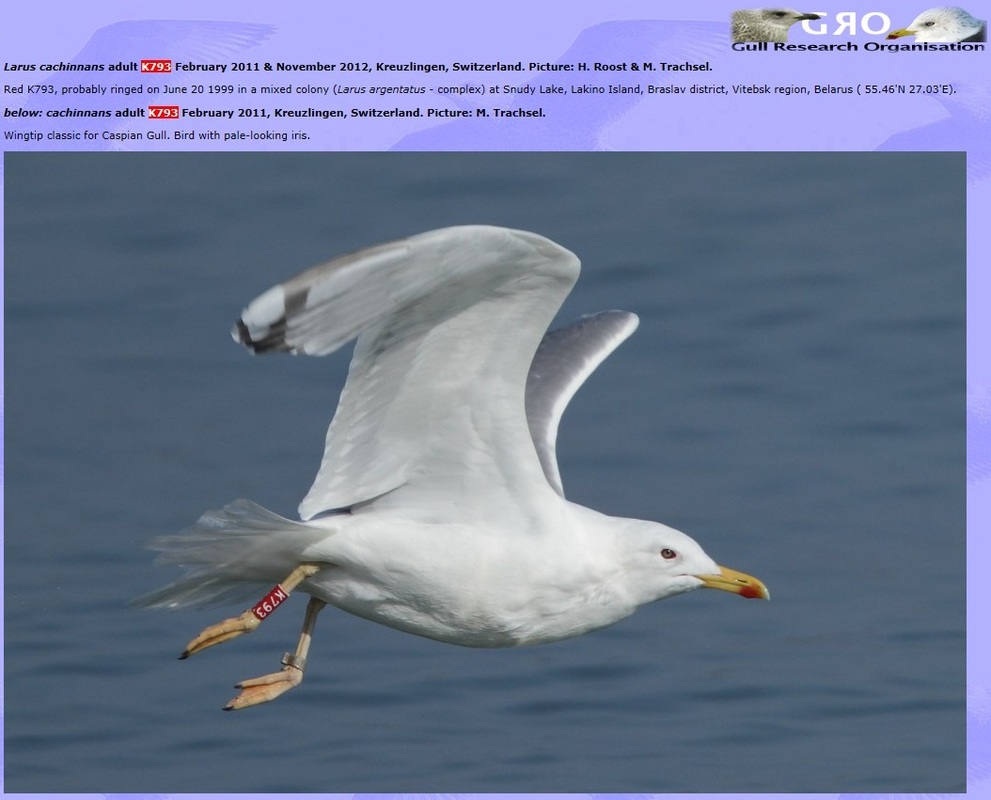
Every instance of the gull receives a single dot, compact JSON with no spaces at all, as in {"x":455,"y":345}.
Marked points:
{"x":438,"y":508}
{"x":766,"y":24}
{"x":944,"y":24}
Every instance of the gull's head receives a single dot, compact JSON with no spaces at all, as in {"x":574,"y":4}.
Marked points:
{"x":765,"y":24}
{"x":941,"y":24}
{"x":666,"y":562}
{"x":783,"y":17}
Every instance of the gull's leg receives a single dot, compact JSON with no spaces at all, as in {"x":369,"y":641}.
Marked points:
{"x":251,"y":618}
{"x":268,"y":687}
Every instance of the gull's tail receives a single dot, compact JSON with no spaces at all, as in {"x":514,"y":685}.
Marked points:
{"x":229,"y":554}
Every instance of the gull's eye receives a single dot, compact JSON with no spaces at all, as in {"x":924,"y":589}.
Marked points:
{"x":668,"y":553}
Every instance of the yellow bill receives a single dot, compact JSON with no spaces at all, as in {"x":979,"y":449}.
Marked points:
{"x":729,"y":580}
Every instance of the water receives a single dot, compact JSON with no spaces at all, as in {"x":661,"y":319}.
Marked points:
{"x":794,"y":399}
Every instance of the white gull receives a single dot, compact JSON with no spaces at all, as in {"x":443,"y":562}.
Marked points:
{"x":438,"y":507}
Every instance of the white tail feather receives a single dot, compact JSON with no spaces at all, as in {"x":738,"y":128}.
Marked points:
{"x":229,"y":553}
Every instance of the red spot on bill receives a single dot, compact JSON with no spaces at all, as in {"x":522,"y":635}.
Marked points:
{"x":750,"y":592}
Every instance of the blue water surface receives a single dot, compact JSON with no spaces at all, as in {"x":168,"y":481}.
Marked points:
{"x":794,"y":399}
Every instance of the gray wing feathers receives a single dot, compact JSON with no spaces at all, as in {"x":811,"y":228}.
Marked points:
{"x":564,"y":360}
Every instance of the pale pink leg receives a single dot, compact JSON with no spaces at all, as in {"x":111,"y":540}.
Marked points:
{"x":251,"y":619}
{"x":268,"y":687}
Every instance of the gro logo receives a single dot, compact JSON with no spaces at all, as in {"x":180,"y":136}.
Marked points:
{"x":873,"y":23}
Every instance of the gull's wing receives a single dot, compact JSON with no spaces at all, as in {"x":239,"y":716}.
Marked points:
{"x":564,"y":360}
{"x":447,"y":324}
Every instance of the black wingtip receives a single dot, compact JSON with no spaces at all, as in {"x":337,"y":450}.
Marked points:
{"x":274,"y":341}
{"x":241,"y":332}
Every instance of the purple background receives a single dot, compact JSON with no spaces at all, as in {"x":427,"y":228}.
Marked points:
{"x":512,"y":30}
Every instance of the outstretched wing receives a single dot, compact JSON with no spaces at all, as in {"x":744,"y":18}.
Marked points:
{"x":564,"y":360}
{"x":447,"y":324}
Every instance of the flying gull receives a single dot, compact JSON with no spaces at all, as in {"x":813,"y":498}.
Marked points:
{"x":766,"y":24}
{"x":438,"y":508}
{"x":944,"y":24}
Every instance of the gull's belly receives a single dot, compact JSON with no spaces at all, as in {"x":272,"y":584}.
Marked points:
{"x":471,"y":619}
{"x":472,"y":595}
{"x":467,"y":622}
